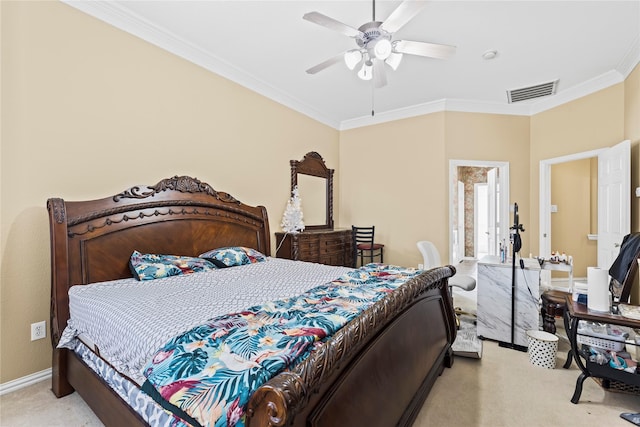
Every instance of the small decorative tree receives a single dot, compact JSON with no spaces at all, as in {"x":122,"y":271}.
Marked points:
{"x":292,"y":218}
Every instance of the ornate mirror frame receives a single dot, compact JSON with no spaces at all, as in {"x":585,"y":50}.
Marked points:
{"x":312,"y":164}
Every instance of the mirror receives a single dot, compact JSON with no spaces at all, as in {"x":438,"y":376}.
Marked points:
{"x":312,"y":192}
{"x":315,"y":186}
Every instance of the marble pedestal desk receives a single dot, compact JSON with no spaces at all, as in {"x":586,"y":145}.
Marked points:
{"x":494,"y":299}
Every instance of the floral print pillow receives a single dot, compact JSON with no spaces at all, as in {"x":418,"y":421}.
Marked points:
{"x":155,"y":266}
{"x":234,"y":255}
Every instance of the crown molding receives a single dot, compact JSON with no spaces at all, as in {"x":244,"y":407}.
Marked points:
{"x":630,"y":59}
{"x":398,"y":114}
{"x":121,"y":18}
{"x":472,"y":106}
{"x":603,"y":81}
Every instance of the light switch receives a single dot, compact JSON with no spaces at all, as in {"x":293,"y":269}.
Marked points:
{"x":554,"y":208}
{"x":638,"y":192}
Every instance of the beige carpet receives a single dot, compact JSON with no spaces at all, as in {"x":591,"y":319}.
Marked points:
{"x":501,"y":389}
{"x":36,"y":406}
{"x":505,"y":389}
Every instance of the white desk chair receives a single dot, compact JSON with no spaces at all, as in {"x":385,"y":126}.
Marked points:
{"x":431,"y":259}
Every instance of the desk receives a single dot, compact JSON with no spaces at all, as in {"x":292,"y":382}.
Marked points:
{"x":560,"y":266}
{"x":573,"y":315}
{"x":494,"y":299}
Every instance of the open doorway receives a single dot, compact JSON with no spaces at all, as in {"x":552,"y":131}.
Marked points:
{"x":478,"y":200}
{"x":612,"y":210}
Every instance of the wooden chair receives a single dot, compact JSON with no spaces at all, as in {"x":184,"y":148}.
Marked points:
{"x":364,"y":245}
{"x":553,"y":301}
{"x":552,"y":305}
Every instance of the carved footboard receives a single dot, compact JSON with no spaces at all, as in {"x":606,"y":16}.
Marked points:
{"x":376,"y":371}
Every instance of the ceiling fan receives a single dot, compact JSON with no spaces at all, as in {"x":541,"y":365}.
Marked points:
{"x":376,"y":46}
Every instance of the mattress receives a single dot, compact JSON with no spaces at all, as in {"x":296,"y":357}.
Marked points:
{"x":126,"y":321}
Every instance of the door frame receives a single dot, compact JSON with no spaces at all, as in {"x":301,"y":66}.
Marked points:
{"x":545,"y":195}
{"x":503,"y":181}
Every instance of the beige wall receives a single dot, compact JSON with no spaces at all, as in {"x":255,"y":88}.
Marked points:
{"x":632,"y":133}
{"x":395,"y":175}
{"x":585,"y":124}
{"x":493,"y":137}
{"x":89,"y":111}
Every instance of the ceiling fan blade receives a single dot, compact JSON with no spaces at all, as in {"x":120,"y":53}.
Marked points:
{"x":431,"y":50}
{"x":403,"y":14}
{"x":325,"y":64}
{"x":332,"y":24}
{"x":379,"y":74}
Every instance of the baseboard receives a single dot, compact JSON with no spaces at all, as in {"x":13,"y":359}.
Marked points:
{"x":23,"y":382}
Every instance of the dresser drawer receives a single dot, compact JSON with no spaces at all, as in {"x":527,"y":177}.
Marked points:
{"x":307,"y":242}
{"x":332,"y":245}
{"x":326,"y":247}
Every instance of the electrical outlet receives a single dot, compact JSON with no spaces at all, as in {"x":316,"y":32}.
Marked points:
{"x":38,"y":330}
{"x":420,"y":266}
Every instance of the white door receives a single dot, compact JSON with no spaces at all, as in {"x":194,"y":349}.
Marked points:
{"x":480,"y":220}
{"x":614,"y":199}
{"x":492,"y":182}
{"x":461,"y":234}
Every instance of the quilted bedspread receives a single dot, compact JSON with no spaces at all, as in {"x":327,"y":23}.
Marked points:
{"x":207,"y":374}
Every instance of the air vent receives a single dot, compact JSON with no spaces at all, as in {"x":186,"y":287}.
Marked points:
{"x":532,"y":92}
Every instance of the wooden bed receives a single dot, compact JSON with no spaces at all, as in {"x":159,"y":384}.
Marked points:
{"x":376,"y":371}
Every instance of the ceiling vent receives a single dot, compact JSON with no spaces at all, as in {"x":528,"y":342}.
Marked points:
{"x":532,"y":92}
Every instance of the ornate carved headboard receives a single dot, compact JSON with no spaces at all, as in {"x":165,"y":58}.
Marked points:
{"x":92,"y":241}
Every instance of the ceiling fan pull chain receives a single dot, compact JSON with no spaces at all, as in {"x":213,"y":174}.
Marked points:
{"x":373,"y":113}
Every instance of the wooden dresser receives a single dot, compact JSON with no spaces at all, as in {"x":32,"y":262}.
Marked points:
{"x":331,"y":247}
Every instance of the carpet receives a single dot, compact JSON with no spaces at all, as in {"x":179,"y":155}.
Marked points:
{"x":467,"y":343}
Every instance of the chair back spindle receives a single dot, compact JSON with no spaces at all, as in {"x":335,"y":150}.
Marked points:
{"x":364,"y":245}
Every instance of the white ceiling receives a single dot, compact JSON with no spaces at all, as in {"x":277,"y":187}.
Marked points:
{"x":267,"y":46}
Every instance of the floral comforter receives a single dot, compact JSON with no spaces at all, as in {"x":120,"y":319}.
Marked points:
{"x":207,"y":374}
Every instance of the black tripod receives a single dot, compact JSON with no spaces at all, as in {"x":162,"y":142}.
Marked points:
{"x":516,"y":245}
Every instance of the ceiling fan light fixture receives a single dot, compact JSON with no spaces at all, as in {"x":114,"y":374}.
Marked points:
{"x":366,"y":72}
{"x":376,"y":46}
{"x":490,"y":54}
{"x":382,"y":48}
{"x":352,"y":58}
{"x":394,"y":60}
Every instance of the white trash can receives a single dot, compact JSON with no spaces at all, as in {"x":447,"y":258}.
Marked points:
{"x":543,"y":348}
